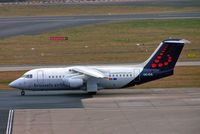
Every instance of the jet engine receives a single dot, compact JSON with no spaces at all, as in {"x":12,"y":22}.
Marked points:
{"x":74,"y":82}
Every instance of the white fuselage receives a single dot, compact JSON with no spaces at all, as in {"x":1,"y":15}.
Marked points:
{"x":56,"y":78}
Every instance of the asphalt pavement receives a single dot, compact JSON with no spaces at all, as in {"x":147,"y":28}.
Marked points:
{"x":3,"y":120}
{"x":140,"y":111}
{"x":13,"y":26}
{"x":11,"y":99}
{"x":128,"y":111}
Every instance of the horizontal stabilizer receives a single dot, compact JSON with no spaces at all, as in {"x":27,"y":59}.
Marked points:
{"x":177,"y":41}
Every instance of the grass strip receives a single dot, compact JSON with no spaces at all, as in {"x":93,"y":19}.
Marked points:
{"x":121,"y":42}
{"x":60,"y":10}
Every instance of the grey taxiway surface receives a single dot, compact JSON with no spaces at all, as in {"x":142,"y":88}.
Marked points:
{"x":3,"y":120}
{"x":128,"y":111}
{"x":13,"y":26}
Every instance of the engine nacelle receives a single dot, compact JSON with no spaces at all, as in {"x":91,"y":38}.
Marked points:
{"x":74,"y":82}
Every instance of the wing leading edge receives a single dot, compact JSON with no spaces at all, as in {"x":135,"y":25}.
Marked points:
{"x":88,"y":71}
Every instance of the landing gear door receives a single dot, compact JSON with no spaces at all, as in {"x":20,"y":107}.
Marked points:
{"x":40,"y":77}
{"x":92,"y":85}
{"x":137,"y":75}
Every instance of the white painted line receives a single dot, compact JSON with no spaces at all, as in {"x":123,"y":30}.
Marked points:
{"x":10,"y":120}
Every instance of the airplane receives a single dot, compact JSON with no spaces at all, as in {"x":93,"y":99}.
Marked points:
{"x":93,"y":78}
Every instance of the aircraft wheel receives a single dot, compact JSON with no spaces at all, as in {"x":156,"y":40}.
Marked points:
{"x":92,"y":93}
{"x":22,"y":93}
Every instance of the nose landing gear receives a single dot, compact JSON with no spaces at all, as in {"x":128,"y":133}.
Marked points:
{"x":22,"y":93}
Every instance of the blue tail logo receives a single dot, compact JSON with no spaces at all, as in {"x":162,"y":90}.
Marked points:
{"x":162,"y":62}
{"x":166,"y":55}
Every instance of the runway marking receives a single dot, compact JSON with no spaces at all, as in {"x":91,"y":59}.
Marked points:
{"x":10,"y":120}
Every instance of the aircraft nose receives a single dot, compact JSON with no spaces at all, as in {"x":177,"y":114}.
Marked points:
{"x":16,"y":83}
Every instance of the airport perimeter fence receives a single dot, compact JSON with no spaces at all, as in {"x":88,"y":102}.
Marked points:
{"x":45,"y":2}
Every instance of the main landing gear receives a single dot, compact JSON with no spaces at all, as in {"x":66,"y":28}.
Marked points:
{"x":92,"y":93}
{"x":22,"y":93}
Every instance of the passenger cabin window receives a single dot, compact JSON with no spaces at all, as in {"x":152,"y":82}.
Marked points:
{"x":28,"y":76}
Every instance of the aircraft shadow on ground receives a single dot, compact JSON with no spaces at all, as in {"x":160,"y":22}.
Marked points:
{"x":43,"y":100}
{"x":70,"y":94}
{"x":84,"y":95}
{"x":132,"y":92}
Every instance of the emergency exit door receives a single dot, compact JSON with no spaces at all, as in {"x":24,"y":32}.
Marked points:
{"x":40,"y":77}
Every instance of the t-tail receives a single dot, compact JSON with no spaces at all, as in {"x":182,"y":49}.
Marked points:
{"x":162,"y":62}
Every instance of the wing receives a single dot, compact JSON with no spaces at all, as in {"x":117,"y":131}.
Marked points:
{"x":88,"y":71}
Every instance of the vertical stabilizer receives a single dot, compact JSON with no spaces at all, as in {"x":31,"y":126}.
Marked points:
{"x":166,"y":55}
{"x":162,"y":62}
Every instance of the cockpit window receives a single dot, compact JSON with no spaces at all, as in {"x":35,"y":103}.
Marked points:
{"x":28,"y":76}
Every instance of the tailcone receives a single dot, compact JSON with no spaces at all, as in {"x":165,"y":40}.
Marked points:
{"x":148,"y":75}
